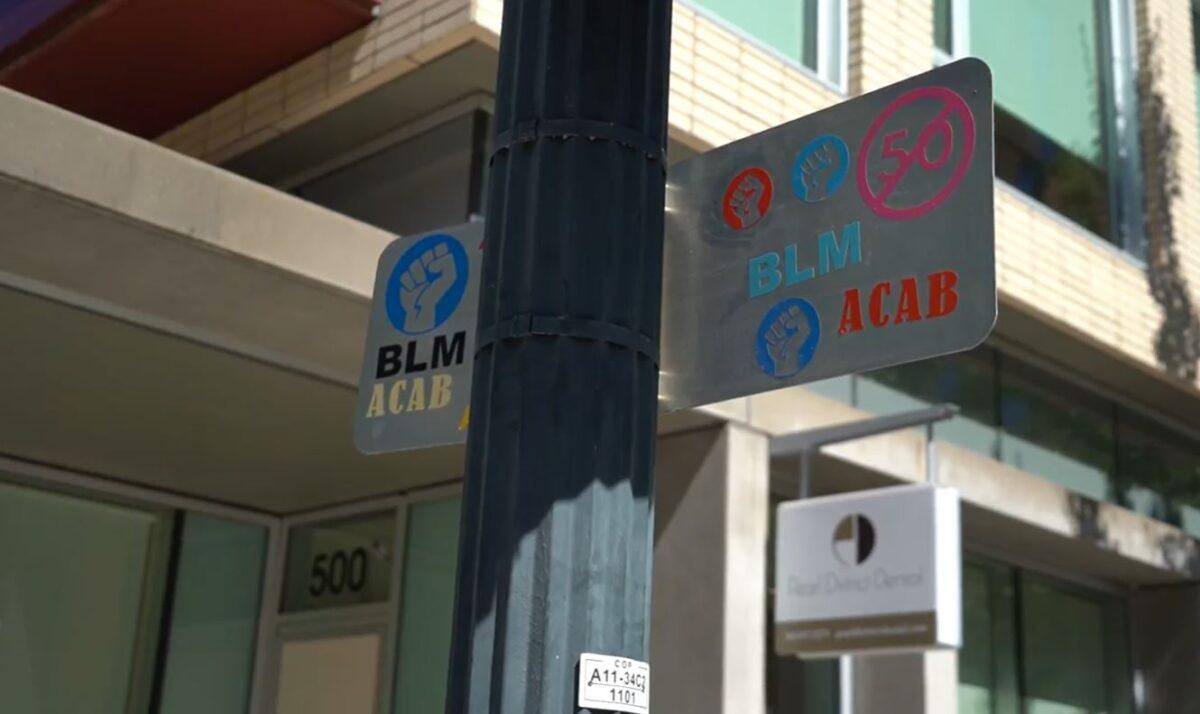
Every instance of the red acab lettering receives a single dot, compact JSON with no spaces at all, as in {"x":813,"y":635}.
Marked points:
{"x":940,"y":299}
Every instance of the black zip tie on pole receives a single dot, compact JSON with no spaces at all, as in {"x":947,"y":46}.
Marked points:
{"x":560,"y":326}
{"x":528,"y":131}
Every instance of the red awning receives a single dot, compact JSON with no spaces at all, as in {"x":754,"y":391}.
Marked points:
{"x":145,"y":66}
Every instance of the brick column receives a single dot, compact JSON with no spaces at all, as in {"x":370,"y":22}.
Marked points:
{"x":889,"y":41}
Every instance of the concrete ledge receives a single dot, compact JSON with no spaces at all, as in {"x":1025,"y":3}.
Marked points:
{"x":124,"y":222}
{"x":1009,"y":511}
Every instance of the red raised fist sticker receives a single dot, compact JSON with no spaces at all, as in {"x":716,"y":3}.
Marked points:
{"x":747,"y":198}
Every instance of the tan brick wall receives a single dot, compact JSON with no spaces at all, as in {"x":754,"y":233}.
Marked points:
{"x":725,"y":86}
{"x":1049,"y":266}
{"x":889,"y":41}
{"x":406,"y":34}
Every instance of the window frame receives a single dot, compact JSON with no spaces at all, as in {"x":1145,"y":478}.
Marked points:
{"x":1007,"y":630}
{"x":1115,"y":624}
{"x":960,"y":33}
{"x":276,"y":624}
{"x":833,"y":58}
{"x":1120,"y":131}
{"x":152,"y":647}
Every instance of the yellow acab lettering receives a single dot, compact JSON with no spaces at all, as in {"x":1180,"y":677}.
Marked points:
{"x":375,"y":408}
{"x":416,"y":400}
{"x":409,"y":395}
{"x":396,"y":396}
{"x":439,"y":393}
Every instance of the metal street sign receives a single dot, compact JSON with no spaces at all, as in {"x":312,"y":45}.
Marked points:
{"x":855,"y":238}
{"x":415,"y":385}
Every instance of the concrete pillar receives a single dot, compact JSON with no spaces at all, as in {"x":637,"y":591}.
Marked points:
{"x":708,"y":634}
{"x":889,"y":684}
{"x":906,"y":684}
{"x":1165,"y":624}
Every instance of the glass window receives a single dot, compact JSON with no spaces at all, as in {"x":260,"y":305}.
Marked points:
{"x":1189,"y":519}
{"x":80,"y":582}
{"x":1057,"y":430}
{"x":967,"y":380}
{"x":975,"y":669}
{"x":214,"y":618}
{"x":1065,"y":130}
{"x":794,"y":684}
{"x":1024,"y":416}
{"x":797,"y":685}
{"x":340,"y":562}
{"x":427,"y":606}
{"x":1048,"y":71}
{"x":808,"y":32}
{"x":1073,"y":652}
{"x":1196,"y":53}
{"x":943,"y":25}
{"x":1159,"y":470}
{"x":431,"y":180}
{"x":987,"y":660}
{"x":839,"y":388}
{"x":1031,"y":646}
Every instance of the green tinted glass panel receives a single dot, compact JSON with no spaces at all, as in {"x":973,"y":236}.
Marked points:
{"x":1045,"y":60}
{"x":839,"y":388}
{"x":809,"y":686}
{"x":786,"y":26}
{"x":72,"y":579}
{"x":975,"y":678}
{"x":943,"y":26}
{"x":1189,"y":520}
{"x":1063,"y":653}
{"x":427,"y":606}
{"x":340,"y":562}
{"x":793,"y":684}
{"x":1056,"y":430}
{"x":1196,"y":53}
{"x":966,"y":380}
{"x":215,"y":617}
{"x":1159,"y":469}
{"x":987,"y":662}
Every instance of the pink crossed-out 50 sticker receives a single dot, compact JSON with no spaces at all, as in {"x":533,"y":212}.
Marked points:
{"x":889,"y":155}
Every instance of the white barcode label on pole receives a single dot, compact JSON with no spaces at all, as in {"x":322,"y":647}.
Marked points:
{"x":614,"y":684}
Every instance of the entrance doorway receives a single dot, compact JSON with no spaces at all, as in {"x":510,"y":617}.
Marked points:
{"x":330,"y":667}
{"x":362,"y":601}
{"x":334,"y":636}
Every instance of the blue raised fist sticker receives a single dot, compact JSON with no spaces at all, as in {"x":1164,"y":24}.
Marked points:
{"x":427,"y":284}
{"x":788,"y":337}
{"x":820,"y":168}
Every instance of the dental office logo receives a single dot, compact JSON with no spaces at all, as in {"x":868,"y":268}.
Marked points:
{"x":427,"y":284}
{"x":854,"y":539}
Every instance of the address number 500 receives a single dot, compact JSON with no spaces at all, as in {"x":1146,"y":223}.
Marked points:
{"x":338,"y":572}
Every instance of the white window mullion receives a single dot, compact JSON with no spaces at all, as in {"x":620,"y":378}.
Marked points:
{"x":832,"y":40}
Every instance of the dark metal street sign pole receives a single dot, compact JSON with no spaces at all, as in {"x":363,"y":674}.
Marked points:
{"x":558,"y":501}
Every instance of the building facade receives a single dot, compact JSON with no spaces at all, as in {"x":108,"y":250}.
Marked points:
{"x":194,"y":197}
